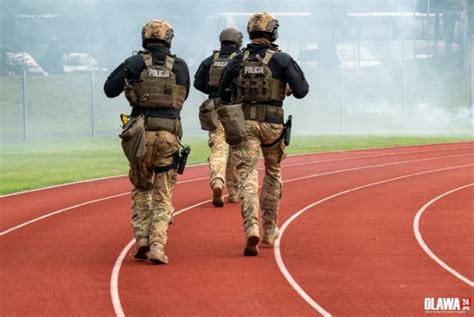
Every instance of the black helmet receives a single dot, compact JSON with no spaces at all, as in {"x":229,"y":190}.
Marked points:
{"x":231,"y":35}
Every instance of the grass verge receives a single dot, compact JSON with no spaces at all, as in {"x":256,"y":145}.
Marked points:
{"x":35,"y":165}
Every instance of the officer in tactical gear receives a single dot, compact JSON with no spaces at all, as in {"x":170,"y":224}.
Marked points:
{"x":156,"y":85}
{"x":259,"y":79}
{"x":206,"y":80}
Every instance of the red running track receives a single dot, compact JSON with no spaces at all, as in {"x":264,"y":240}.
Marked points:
{"x":353,"y":252}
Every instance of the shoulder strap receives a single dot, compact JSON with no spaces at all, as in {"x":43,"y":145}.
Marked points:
{"x":246,"y":55}
{"x":147,"y":58}
{"x":216,"y":55}
{"x":231,"y":56}
{"x":268,"y":56}
{"x":169,"y":62}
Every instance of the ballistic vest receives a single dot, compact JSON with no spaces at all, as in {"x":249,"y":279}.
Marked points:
{"x":255,"y":83}
{"x":157,"y":86}
{"x":217,"y":68}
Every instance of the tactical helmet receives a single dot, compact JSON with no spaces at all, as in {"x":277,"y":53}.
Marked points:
{"x":231,"y":35}
{"x":157,"y":30}
{"x":263,"y":23}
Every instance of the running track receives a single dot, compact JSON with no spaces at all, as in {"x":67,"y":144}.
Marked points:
{"x":364,"y":233}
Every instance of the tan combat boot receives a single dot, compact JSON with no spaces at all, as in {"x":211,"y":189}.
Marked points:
{"x":270,"y":235}
{"x":251,"y":241}
{"x":142,"y":249}
{"x":217,"y":199}
{"x":156,"y":255}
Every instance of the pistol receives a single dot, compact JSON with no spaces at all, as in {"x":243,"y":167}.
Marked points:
{"x":288,"y":124}
{"x":183,"y":158}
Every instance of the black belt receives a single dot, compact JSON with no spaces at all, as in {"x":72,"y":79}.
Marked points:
{"x":274,"y":103}
{"x":158,"y":113}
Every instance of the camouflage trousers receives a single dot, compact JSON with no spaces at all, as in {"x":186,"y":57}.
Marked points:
{"x":152,"y":210}
{"x":222,"y":163}
{"x":247,"y":160}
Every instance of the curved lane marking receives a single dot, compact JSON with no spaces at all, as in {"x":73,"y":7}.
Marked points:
{"x":277,"y":246}
{"x":421,"y":242}
{"x":204,"y":178}
{"x":118,"y":263}
{"x":58,"y":212}
{"x":290,"y":164}
{"x":114,"y":292}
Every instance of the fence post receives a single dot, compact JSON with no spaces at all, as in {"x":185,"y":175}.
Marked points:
{"x":342,"y":109}
{"x":25,"y":108}
{"x":93,"y":132}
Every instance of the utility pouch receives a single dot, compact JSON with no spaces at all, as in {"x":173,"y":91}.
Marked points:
{"x":183,"y":158}
{"x":133,"y":139}
{"x":232,"y":118}
{"x":208,"y":115}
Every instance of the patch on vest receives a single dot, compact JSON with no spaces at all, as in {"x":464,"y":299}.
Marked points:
{"x":220,"y":64}
{"x":254,"y":70}
{"x":159,"y":73}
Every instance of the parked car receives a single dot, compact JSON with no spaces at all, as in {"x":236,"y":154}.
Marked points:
{"x":80,"y":62}
{"x":17,"y":62}
{"x":348,"y":57}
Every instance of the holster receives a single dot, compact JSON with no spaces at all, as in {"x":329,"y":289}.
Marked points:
{"x":133,"y":139}
{"x":232,"y":118}
{"x":208,"y":115}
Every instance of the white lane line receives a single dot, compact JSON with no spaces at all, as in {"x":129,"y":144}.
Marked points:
{"x":290,"y":164}
{"x":204,"y":178}
{"x":372,"y":156}
{"x":114,"y":292}
{"x":277,"y":246}
{"x":58,"y":212}
{"x":421,"y":242}
{"x":76,"y":183}
{"x":118,"y":263}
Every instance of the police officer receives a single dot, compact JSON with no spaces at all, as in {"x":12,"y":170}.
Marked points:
{"x":206,"y":79}
{"x":156,"y":85}
{"x":259,"y":79}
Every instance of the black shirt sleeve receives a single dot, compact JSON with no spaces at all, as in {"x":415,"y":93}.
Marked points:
{"x":230,"y":73}
{"x":180,"y":69}
{"x":201,"y":78}
{"x":130,"y":68}
{"x":293,"y":75}
{"x":296,"y":80}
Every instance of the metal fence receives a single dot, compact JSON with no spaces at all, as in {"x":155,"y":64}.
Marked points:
{"x":413,"y":97}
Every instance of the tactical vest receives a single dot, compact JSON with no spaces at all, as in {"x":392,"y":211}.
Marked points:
{"x":217,"y":68}
{"x":157,"y":86}
{"x":255,"y":83}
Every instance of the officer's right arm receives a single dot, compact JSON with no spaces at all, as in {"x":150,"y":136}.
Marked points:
{"x":114,"y":84}
{"x":230,"y":73}
{"x":130,"y":68}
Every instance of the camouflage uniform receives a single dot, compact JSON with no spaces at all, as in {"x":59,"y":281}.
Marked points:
{"x":156,"y":84}
{"x":222,"y":164}
{"x":258,"y":80}
{"x":206,"y":80}
{"x":152,"y":209}
{"x":247,"y":155}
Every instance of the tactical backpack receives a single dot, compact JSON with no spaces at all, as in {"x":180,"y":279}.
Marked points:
{"x":217,"y":68}
{"x":157,"y":86}
{"x":255,"y":83}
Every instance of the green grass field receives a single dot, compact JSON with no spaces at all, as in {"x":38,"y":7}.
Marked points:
{"x":44,"y":163}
